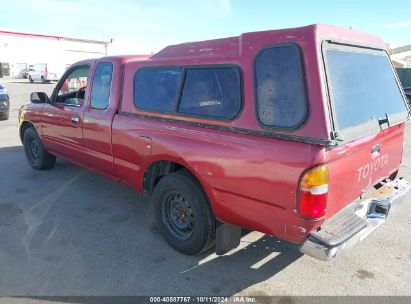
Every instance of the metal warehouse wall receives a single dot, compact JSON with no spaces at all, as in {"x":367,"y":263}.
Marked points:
{"x":19,"y":49}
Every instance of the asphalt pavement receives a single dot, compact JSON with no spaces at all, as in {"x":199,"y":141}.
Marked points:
{"x":67,"y":231}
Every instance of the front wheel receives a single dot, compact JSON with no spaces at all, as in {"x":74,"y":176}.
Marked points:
{"x":36,"y":155}
{"x":183,"y":213}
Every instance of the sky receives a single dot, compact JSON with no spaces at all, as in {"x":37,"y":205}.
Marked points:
{"x":146,"y":26}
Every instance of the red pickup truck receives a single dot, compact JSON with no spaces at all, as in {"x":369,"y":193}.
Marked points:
{"x":296,"y":133}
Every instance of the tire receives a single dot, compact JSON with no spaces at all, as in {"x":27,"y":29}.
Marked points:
{"x":191,"y":229}
{"x":36,"y":155}
{"x":30,"y":79}
{"x":43,"y":80}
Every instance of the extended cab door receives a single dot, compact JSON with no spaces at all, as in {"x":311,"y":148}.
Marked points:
{"x":62,"y":119}
{"x":99,"y":115}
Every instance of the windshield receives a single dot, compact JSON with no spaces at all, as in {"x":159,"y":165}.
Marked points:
{"x":365,"y":95}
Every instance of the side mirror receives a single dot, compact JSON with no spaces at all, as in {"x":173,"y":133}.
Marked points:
{"x":39,"y":97}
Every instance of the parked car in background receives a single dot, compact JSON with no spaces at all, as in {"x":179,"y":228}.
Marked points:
{"x":26,"y":72}
{"x":44,"y":72}
{"x":4,"y":103}
{"x":270,"y":131}
{"x":405,"y":77}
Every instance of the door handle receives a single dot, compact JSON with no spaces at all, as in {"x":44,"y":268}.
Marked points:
{"x":74,"y":120}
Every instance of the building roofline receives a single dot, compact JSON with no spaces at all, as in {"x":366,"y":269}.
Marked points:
{"x":31,"y":35}
{"x":401,"y":49}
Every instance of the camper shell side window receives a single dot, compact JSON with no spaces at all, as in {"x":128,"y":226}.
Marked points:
{"x":210,"y":92}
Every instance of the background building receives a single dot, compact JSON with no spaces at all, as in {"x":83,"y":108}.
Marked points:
{"x":19,"y":50}
{"x":401,"y":56}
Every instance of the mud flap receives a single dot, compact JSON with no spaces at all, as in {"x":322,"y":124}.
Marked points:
{"x":228,"y":237}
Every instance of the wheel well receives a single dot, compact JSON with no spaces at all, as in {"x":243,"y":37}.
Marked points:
{"x":24,"y":126}
{"x":158,"y":170}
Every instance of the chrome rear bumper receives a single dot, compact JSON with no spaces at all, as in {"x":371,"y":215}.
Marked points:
{"x":356,"y":222}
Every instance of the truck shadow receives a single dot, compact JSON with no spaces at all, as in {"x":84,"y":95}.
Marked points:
{"x":70,"y":232}
{"x":254,"y":263}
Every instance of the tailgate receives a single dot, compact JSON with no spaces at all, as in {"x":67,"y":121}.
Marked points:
{"x":368,"y":111}
{"x":359,"y":165}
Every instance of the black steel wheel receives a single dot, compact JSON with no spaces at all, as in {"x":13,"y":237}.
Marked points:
{"x":178,"y":216}
{"x":183,"y":213}
{"x":36,"y":155}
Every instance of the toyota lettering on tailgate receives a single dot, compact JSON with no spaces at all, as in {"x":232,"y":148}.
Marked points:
{"x":375,"y":165}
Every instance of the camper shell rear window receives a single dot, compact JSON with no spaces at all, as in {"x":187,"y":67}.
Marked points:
{"x":365,"y":95}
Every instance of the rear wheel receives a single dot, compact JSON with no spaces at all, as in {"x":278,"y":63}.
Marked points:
{"x":43,"y":80}
{"x":36,"y":155}
{"x":183,"y":213}
{"x":30,"y":79}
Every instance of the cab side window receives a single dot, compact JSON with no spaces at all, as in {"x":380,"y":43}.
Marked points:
{"x":72,"y":88}
{"x":100,"y":94}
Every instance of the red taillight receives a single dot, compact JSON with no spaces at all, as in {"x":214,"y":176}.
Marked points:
{"x":313,"y":193}
{"x":46,"y":71}
{"x":312,"y":206}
